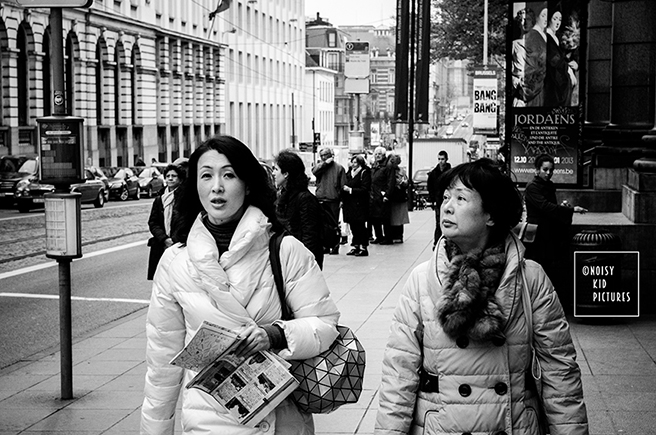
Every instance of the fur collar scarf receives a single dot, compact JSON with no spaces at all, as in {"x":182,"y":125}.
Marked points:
{"x":469,"y":306}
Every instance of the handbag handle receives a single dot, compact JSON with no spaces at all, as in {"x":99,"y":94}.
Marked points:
{"x":536,"y":369}
{"x":274,"y":258}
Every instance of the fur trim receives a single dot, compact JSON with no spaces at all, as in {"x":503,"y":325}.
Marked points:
{"x":469,"y":305}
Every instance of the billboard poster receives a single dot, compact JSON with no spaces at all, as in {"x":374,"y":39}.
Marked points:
{"x":544,"y":111}
{"x":485,"y":99}
{"x":401,"y":62}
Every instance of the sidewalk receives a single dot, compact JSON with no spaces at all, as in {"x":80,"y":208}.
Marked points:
{"x":617,"y":360}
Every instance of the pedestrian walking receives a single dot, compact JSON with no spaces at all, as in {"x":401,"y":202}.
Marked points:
{"x":297,"y":208}
{"x":442,"y":166}
{"x":162,"y":219}
{"x":331,"y":177}
{"x":458,"y":359}
{"x":355,"y":204}
{"x":554,"y":221}
{"x":378,"y":210}
{"x":398,"y":199}
{"x":221,"y":273}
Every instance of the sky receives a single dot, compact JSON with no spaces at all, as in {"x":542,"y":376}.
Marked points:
{"x":352,"y":12}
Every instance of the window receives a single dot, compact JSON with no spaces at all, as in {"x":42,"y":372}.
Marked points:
{"x":22,"y":68}
{"x":332,"y":39}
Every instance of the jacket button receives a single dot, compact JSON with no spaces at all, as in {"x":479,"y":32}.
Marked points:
{"x":501,"y":389}
{"x":462,"y":342}
{"x":464,"y":390}
{"x":499,"y":341}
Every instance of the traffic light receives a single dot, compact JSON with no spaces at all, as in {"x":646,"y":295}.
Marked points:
{"x":317,"y":139}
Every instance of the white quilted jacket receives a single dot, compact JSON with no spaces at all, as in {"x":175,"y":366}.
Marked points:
{"x":482,"y":386}
{"x":192,"y":284}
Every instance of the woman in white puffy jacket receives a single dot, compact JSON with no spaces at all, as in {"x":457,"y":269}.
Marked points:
{"x":458,"y":360}
{"x":222,"y":274}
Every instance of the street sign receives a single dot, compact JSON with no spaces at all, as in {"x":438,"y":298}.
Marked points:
{"x":55,"y":3}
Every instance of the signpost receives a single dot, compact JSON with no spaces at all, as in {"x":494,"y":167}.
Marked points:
{"x":61,"y":163}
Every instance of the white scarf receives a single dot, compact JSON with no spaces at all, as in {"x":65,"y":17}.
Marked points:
{"x":167,"y":203}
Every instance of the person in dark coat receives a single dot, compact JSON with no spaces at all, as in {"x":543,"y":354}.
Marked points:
{"x":163,"y":217}
{"x":554,"y":220}
{"x":432,"y":184}
{"x":397,"y":200}
{"x":355,"y":204}
{"x":380,"y":181}
{"x":298,"y":210}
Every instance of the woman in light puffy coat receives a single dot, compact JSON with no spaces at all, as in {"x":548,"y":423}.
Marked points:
{"x":458,"y":357}
{"x":223,"y":275}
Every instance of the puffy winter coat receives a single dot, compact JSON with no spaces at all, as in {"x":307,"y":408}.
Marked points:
{"x":475,"y":386}
{"x":193,"y":284}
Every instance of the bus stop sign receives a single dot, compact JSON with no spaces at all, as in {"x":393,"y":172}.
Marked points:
{"x":55,"y":3}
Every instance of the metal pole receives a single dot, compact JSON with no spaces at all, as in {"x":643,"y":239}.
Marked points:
{"x":485,"y":32}
{"x":411,"y":92}
{"x":57,"y":60}
{"x":65,"y":329}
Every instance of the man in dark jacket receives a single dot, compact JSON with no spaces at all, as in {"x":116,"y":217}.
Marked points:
{"x":433,"y":178}
{"x":331,"y":178}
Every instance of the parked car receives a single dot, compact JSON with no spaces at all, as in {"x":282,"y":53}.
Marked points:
{"x":123,"y":183}
{"x":151,"y":181}
{"x":29,"y":194}
{"x":27,"y":171}
{"x":420,"y":187}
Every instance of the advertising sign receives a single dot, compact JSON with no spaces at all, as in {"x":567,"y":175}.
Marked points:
{"x":485,"y":100}
{"x":544,"y":113}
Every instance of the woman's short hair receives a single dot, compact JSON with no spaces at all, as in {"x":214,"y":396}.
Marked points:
{"x":291,"y":163}
{"x":246,"y":166}
{"x":362,"y":162}
{"x":500,"y":196}
{"x":539,"y":160}
{"x":181,"y":173}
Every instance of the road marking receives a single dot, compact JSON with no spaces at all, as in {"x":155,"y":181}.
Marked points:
{"x":74,"y":298}
{"x":54,"y":263}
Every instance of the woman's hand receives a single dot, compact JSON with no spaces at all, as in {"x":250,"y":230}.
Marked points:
{"x":168,"y":243}
{"x":253,"y":339}
{"x":578,"y":209}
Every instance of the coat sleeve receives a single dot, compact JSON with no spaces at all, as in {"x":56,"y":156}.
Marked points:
{"x":310,"y":217}
{"x":165,"y":336}
{"x":156,"y":221}
{"x":313,"y":327}
{"x":402,"y":361}
{"x":558,"y":213}
{"x":562,"y":390}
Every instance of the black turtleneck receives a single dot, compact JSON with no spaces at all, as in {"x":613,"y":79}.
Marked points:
{"x":222,"y":233}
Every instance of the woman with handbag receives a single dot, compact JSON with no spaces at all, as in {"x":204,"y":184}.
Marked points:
{"x":162,"y":217}
{"x":221,"y":273}
{"x":458,"y":359}
{"x":297,"y":209}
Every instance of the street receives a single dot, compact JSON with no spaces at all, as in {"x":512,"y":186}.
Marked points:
{"x":104,"y":287}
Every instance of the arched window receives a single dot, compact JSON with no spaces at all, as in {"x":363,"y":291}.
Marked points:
{"x":134,"y":82}
{"x":118,"y":59}
{"x":99,"y":82}
{"x":47,"y":75}
{"x":69,"y":73}
{"x":23,"y":70}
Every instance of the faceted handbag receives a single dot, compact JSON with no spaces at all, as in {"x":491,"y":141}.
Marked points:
{"x":332,"y":378}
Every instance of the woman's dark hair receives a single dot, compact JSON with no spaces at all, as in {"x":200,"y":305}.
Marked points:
{"x":539,"y":160}
{"x":362,"y":162}
{"x":182,"y":174}
{"x":500,"y":196}
{"x":290,"y":163}
{"x":246,"y":166}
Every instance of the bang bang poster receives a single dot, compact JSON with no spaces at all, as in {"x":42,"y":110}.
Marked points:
{"x":544,"y":109}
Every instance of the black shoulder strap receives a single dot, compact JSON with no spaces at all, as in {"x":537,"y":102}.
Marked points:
{"x":274,"y":257}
